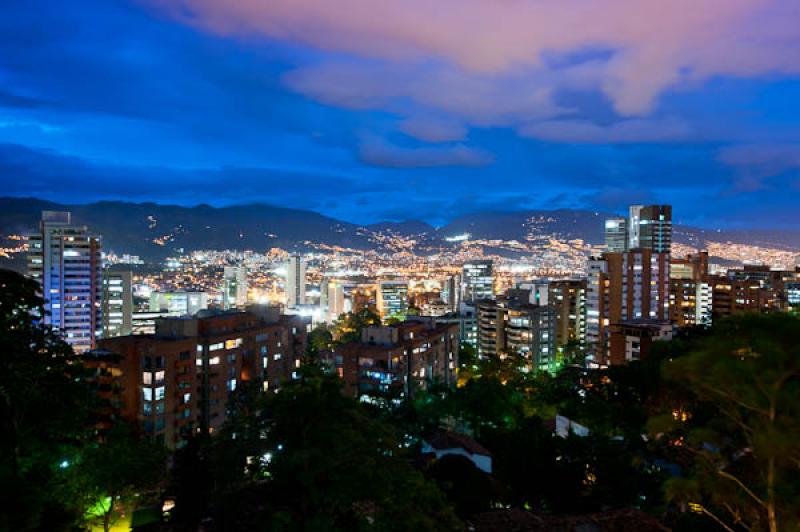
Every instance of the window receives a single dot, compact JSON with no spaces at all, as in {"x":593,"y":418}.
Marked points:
{"x":276,"y":356}
{"x":216,"y":347}
{"x":213,"y":361}
{"x":187,"y":397}
{"x":148,"y":394}
{"x":233,"y":344}
{"x":147,"y":378}
{"x":160,"y":393}
{"x":232,"y":385}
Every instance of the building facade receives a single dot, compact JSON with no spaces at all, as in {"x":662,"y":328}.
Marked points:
{"x":478,"y":280}
{"x":508,"y":326}
{"x":392,"y":299}
{"x":177,"y":381}
{"x":392,"y":362}
{"x":117,"y":303}
{"x":65,"y":259}
{"x":234,"y":287}
{"x":295,"y":281}
{"x":624,"y":286}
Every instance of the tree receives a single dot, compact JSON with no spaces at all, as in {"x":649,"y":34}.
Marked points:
{"x":311,"y":458}
{"x":469,"y":489}
{"x":319,"y":339}
{"x":114,"y":473}
{"x":742,"y":430}
{"x":349,"y":326}
{"x":44,"y":407}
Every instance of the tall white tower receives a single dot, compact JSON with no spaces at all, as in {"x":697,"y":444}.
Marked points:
{"x":295,"y":281}
{"x":65,"y":259}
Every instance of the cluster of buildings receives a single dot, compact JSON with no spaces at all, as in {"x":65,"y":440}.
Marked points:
{"x":169,"y":357}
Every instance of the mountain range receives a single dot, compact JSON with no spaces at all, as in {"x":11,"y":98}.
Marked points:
{"x":153,"y":231}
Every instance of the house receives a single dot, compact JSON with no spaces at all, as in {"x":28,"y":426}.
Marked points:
{"x":444,"y":442}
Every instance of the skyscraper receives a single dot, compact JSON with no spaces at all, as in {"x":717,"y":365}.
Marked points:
{"x":655,"y":228}
{"x":616,"y":234}
{"x":295,"y":281}
{"x":234,"y":289}
{"x":478,"y":279}
{"x":66,"y":261}
{"x":117,"y":303}
{"x":392,"y":298}
{"x":625,"y":286}
{"x":647,"y":227}
{"x":451,"y":292}
{"x":514,"y":326}
{"x":335,"y":299}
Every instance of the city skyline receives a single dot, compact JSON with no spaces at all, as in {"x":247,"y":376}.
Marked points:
{"x":437,"y":115}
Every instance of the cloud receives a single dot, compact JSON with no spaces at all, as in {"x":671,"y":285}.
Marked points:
{"x":433,"y":130}
{"x":438,"y":89}
{"x":655,"y":44}
{"x":757,"y":163}
{"x":48,"y":174}
{"x":382,"y":153}
{"x":634,"y":130}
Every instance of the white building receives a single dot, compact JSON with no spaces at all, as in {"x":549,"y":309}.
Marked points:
{"x":66,"y":261}
{"x":234,"y":289}
{"x":117,"y":303}
{"x":334,"y":299}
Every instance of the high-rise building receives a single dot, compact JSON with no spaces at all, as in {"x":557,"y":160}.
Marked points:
{"x":65,"y":260}
{"x":648,"y":227}
{"x":451,"y":292}
{"x":392,"y":362}
{"x":117,"y":303}
{"x":690,"y":302}
{"x":616,"y":234}
{"x":177,"y":382}
{"x":655,"y":228}
{"x":392,"y":298}
{"x":478,"y":280}
{"x":634,"y":229}
{"x":567,"y":297}
{"x":335,"y":299}
{"x":514,"y":326}
{"x":234,"y":287}
{"x":625,"y":286}
{"x":690,"y":294}
{"x":295,"y":281}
